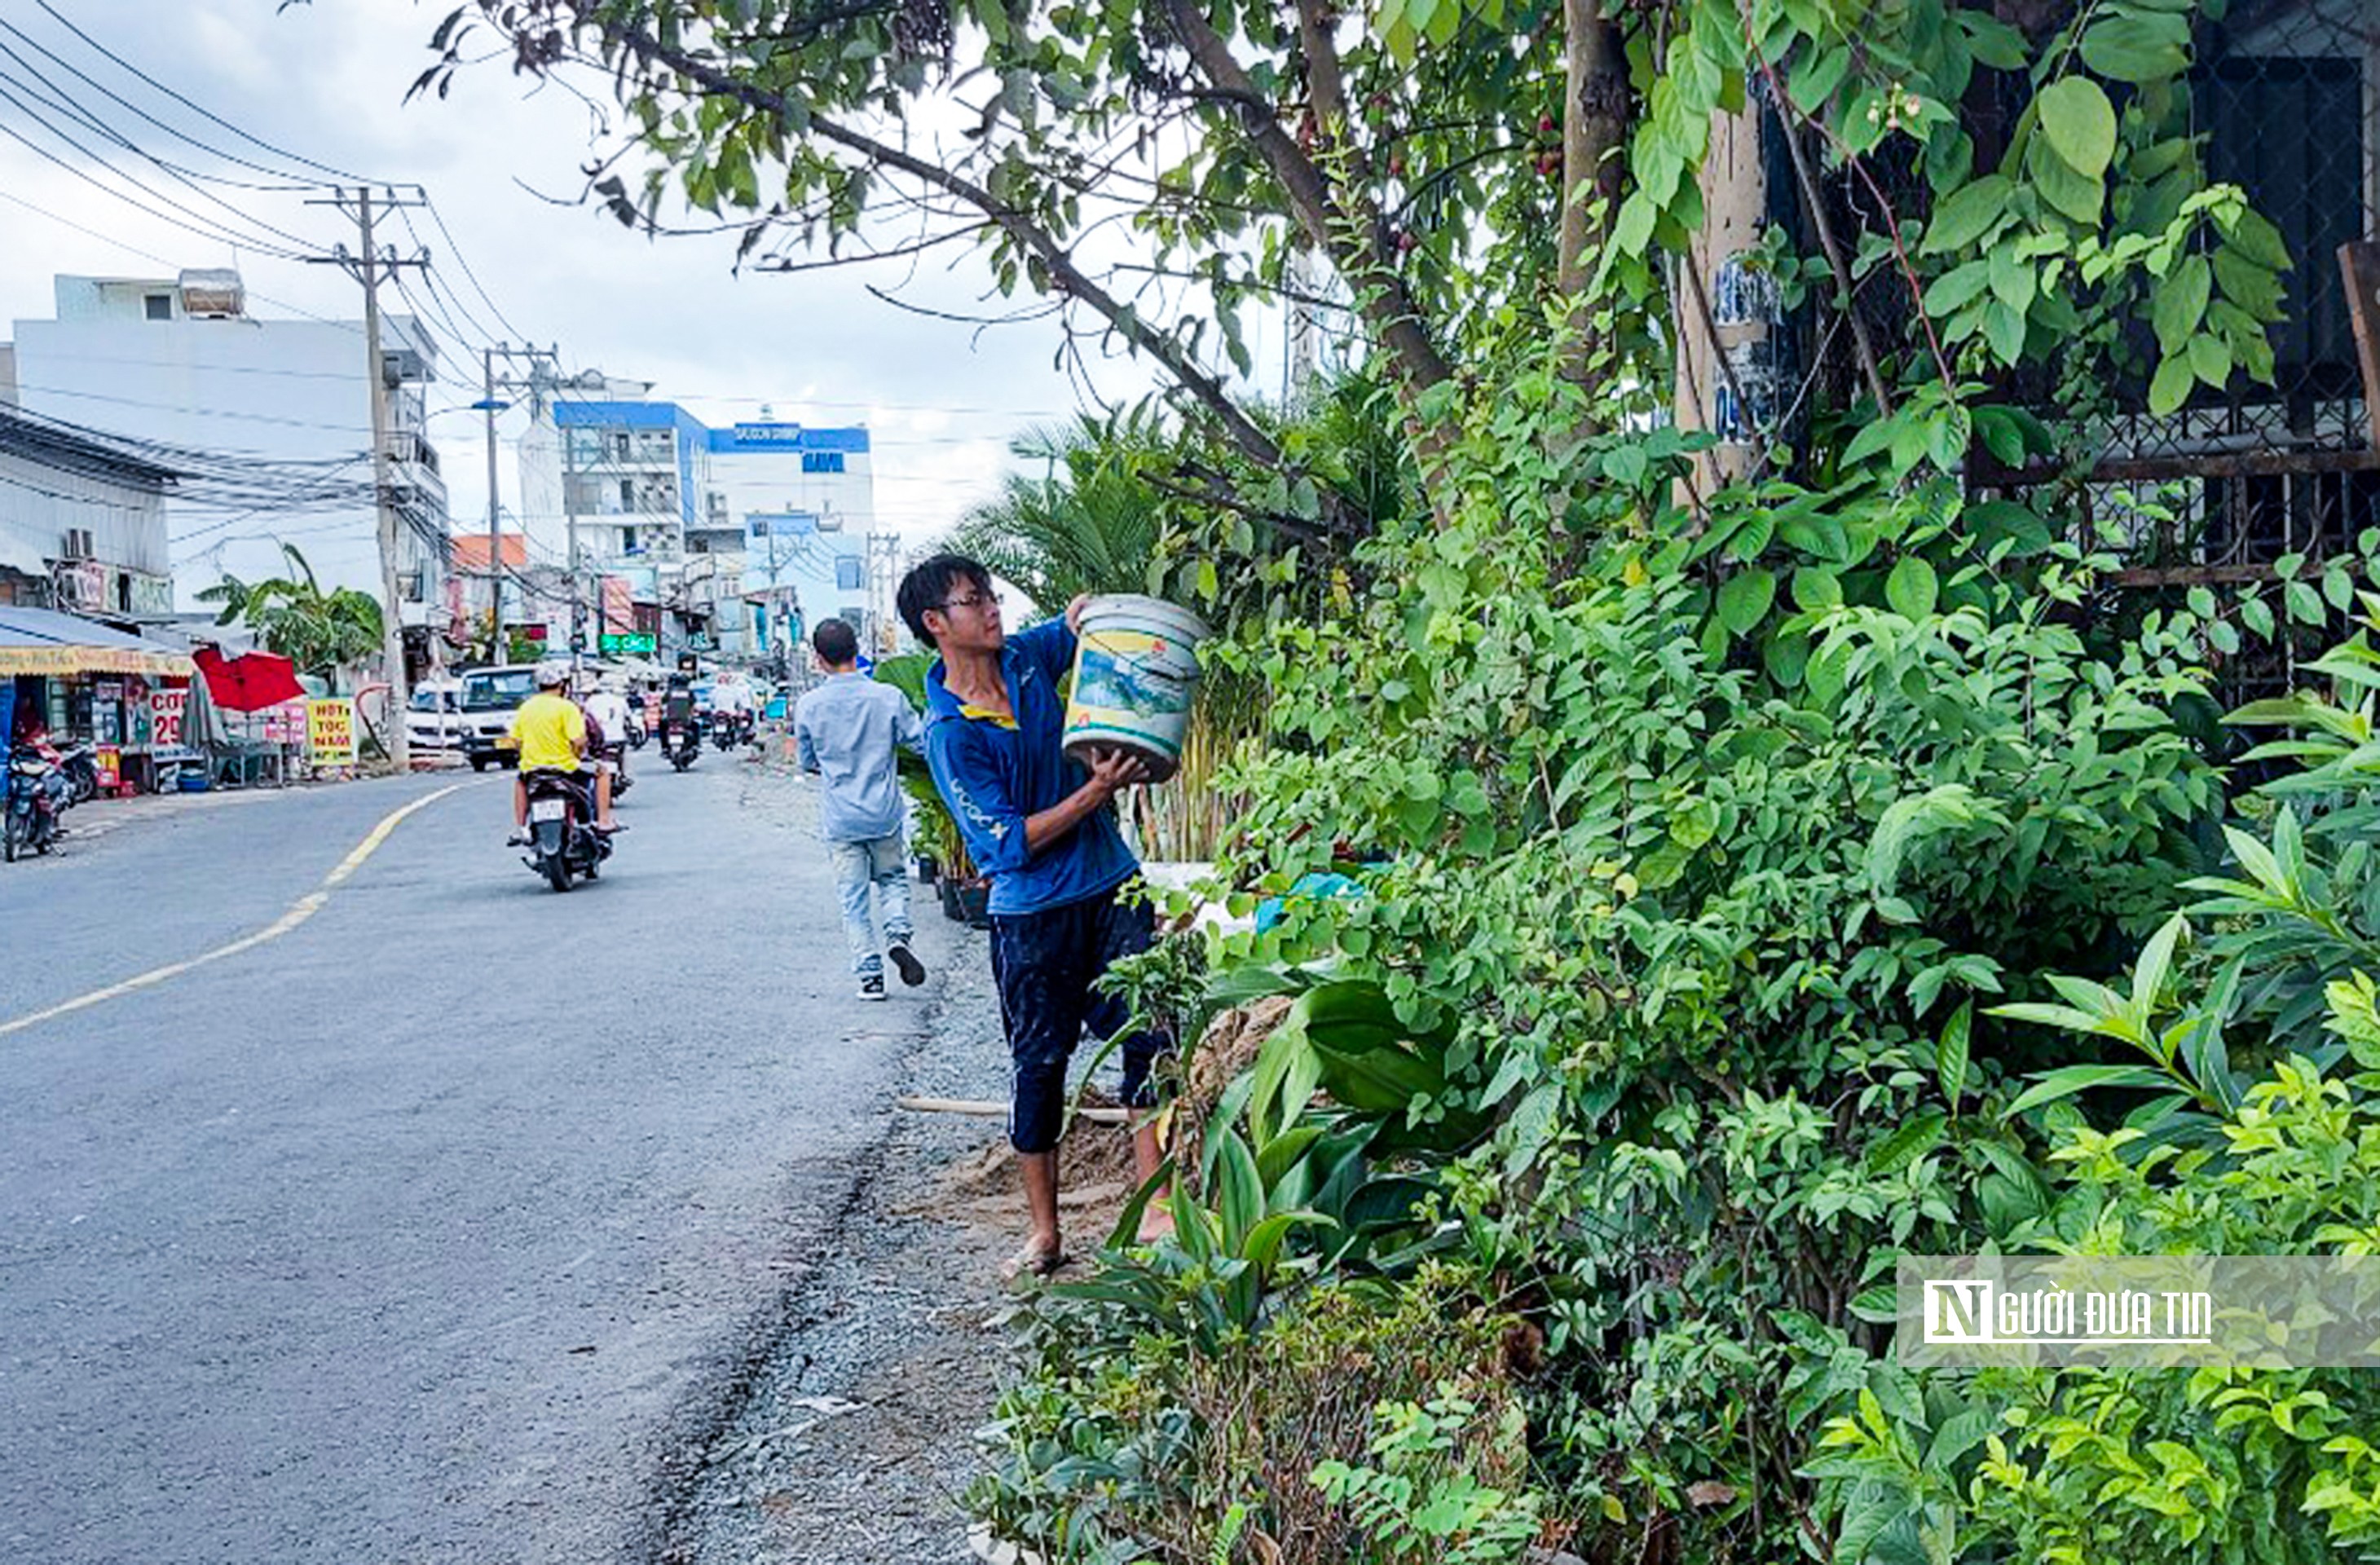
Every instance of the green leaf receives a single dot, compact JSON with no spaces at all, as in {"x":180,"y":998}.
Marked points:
{"x":2178,"y":302}
{"x":1282,"y":1153}
{"x":1744,"y":599}
{"x":1950,"y":1054}
{"x":1967,"y":214}
{"x":2080,"y":123}
{"x":2004,"y":329}
{"x":2210,"y":362}
{"x":2138,"y":46}
{"x":2052,"y":1085}
{"x":2170,"y":386}
{"x":1956,"y":287}
{"x":1912,"y":588}
{"x":2078,"y":196}
{"x":1909,"y":1142}
{"x":2255,"y":240}
{"x":1816,"y":588}
{"x":2157,"y":963}
{"x":1991,"y":40}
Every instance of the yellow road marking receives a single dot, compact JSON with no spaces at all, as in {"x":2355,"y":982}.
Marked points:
{"x":305,"y":907}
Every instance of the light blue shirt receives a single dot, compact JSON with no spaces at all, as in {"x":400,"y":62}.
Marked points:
{"x":846,"y":731}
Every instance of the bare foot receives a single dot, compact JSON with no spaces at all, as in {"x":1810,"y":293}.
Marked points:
{"x":1037,"y":1256}
{"x":1157,"y":1220}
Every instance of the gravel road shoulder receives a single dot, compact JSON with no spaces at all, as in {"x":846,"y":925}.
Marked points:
{"x":852,"y":1438}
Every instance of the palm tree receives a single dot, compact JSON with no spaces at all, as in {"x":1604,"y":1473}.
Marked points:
{"x":291,"y":616}
{"x":1090,"y":523}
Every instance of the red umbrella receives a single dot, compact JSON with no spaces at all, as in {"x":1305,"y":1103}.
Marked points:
{"x":249,"y":683}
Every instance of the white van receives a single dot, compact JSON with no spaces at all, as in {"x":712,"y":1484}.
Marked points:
{"x":488,"y":700}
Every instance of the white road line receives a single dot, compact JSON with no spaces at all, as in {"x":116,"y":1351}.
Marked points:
{"x":305,"y":907}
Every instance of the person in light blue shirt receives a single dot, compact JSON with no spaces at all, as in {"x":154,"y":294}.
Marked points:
{"x":848,"y":730}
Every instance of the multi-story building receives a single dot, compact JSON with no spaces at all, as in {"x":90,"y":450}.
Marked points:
{"x":683,"y":513}
{"x":180,"y":361}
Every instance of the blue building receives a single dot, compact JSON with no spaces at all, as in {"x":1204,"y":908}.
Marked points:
{"x":727,"y":539}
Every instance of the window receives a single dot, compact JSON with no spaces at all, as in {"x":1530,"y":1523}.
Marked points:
{"x":586,"y":447}
{"x":620,"y":446}
{"x":158,"y":306}
{"x":847,"y":577}
{"x":628,"y":494}
{"x":627,"y":541}
{"x":821,"y":461}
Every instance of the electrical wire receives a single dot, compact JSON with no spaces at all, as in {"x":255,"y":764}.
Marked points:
{"x":207,"y":114}
{"x":206,"y":228}
{"x":89,"y":80}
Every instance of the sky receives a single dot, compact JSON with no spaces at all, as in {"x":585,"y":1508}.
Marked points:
{"x":326,"y":81}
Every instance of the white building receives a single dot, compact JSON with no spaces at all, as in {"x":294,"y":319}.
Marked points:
{"x":180,"y":361}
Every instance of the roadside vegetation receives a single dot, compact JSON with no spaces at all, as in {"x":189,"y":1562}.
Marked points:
{"x":1765,"y":861}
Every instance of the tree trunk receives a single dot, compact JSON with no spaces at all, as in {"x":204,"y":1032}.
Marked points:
{"x":1595,"y":122}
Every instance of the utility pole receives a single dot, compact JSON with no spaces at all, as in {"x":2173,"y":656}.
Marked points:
{"x":499,"y":648}
{"x":539,"y":378}
{"x":368,"y":267}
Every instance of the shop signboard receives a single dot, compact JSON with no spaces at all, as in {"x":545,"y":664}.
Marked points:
{"x":286,"y":723}
{"x":107,"y":711}
{"x":151,"y":594}
{"x":165,"y":718}
{"x":331,"y":731}
{"x":636,"y":641}
{"x":108,"y":761}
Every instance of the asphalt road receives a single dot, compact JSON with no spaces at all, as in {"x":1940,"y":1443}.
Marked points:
{"x":441,"y":1228}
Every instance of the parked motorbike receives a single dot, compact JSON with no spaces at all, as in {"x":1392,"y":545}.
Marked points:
{"x":79,"y":763}
{"x":563,"y":839}
{"x":681,"y":742}
{"x":36,"y":796}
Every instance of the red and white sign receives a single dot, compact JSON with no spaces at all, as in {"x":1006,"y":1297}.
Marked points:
{"x":165,"y":717}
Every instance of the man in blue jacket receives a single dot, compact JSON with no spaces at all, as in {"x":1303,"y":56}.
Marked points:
{"x":1038,"y":824}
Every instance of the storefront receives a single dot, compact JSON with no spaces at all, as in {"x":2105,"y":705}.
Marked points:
{"x":75,"y":678}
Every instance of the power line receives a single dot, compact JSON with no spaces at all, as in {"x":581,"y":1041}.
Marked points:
{"x":208,"y":229}
{"x":98,"y":86}
{"x":203,"y":113}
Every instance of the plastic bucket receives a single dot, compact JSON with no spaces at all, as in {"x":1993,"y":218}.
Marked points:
{"x":1136,"y":671}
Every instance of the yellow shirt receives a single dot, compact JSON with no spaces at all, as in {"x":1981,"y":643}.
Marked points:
{"x":551,"y":729}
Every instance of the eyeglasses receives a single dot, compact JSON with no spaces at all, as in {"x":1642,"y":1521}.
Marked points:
{"x":972,"y":600}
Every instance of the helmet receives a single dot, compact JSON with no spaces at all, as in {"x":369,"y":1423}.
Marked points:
{"x":553,"y":673}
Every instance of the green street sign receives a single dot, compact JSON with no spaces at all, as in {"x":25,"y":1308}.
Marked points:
{"x":632,"y":642}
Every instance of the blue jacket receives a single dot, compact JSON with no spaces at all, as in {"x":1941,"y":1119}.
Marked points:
{"x":993,"y":775}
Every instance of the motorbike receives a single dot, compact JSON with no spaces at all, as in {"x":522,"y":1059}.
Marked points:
{"x":681,"y":741}
{"x":730,"y":728}
{"x":637,"y":734}
{"x":563,"y":839}
{"x":36,"y":796}
{"x":79,"y":763}
{"x":616,"y":753}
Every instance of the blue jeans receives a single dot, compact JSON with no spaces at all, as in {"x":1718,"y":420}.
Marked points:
{"x":877,"y":863}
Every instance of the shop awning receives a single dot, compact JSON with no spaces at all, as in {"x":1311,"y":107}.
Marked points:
{"x":45,"y":641}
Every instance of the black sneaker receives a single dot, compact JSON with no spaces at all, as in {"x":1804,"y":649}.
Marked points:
{"x":872,"y":987}
{"x":913,"y":972}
